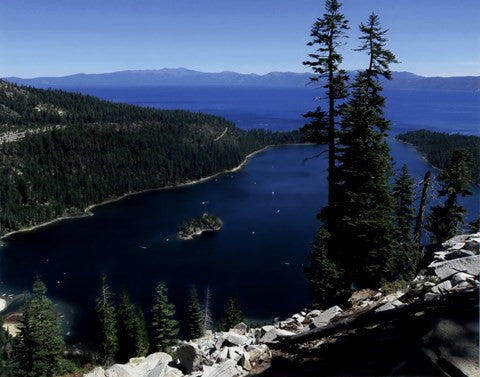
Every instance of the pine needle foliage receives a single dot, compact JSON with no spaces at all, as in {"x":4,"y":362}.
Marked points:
{"x":164,"y":326}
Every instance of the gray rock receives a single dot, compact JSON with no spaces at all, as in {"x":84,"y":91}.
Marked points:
{"x":455,"y":240}
{"x":470,"y":265}
{"x":162,"y":365}
{"x":97,"y":372}
{"x":390,"y":305}
{"x":235,"y":338}
{"x":473,"y":245}
{"x":256,"y":351}
{"x":455,"y":341}
{"x":224,"y":369}
{"x":219,"y":342}
{"x":190,"y":357}
{"x":298,"y":317}
{"x":269,"y":336}
{"x":240,"y":329}
{"x":443,"y":287}
{"x":267,"y":328}
{"x":325,"y":317}
{"x":313,"y":313}
{"x":222,"y":355}
{"x":458,"y":254}
{"x":460,"y":277}
{"x":283,"y":333}
{"x":431,"y":296}
{"x":235,"y":353}
{"x":245,"y":362}
{"x":120,"y":370}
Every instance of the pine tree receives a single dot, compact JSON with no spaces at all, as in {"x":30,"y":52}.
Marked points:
{"x":141,"y":338}
{"x":164,"y":326}
{"x":233,"y":315}
{"x":5,"y":352}
{"x":39,"y":352}
{"x":406,"y":254}
{"x":327,"y":34}
{"x":364,"y":229}
{"x":324,"y":282}
{"x":126,"y":329}
{"x":194,"y":316}
{"x":445,"y":220}
{"x":107,"y":325}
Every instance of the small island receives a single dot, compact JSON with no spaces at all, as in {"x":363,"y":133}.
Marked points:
{"x":198,"y":225}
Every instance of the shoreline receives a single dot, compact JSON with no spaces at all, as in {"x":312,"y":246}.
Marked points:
{"x":87,"y":211}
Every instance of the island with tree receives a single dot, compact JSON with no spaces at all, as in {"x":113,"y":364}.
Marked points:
{"x":198,"y":225}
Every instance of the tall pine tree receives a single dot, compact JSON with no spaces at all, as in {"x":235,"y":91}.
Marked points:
{"x":327,"y":35}
{"x":141,"y":337}
{"x":194,"y":316}
{"x":455,"y":180}
{"x":107,"y":325}
{"x":164,"y":326}
{"x":127,"y":329}
{"x":40,"y":347}
{"x":364,"y":229}
{"x":406,"y":252}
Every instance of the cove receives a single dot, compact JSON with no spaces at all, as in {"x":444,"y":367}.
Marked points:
{"x":268,"y":209}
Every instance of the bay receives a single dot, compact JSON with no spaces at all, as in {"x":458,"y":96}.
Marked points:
{"x":268,"y":209}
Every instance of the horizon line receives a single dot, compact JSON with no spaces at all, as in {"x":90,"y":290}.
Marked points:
{"x":209,"y":72}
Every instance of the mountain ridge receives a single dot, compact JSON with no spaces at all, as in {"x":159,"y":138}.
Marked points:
{"x":187,"y":77}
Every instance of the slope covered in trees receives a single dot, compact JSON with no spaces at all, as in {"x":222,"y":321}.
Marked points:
{"x":438,"y":147}
{"x":61,"y":152}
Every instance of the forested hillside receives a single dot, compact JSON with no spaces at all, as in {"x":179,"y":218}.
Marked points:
{"x":438,"y":147}
{"x":61,"y":152}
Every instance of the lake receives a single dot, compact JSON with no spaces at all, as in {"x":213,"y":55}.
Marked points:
{"x":268,"y":209}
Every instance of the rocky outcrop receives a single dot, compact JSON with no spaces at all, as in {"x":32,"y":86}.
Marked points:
{"x":198,"y":225}
{"x":449,"y":342}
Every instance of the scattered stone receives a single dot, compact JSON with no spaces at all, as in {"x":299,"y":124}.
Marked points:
{"x":458,"y":254}
{"x":240,"y":329}
{"x":190,"y":357}
{"x":455,"y":240}
{"x":443,"y":287}
{"x":390,"y":305}
{"x":313,"y":313}
{"x":245,"y":362}
{"x":226,"y":368}
{"x":219,"y":342}
{"x":235,"y":338}
{"x":283,"y":333}
{"x":460,"y":277}
{"x":269,"y":336}
{"x":325,"y":317}
{"x":473,"y":245}
{"x":298,"y":317}
{"x":470,"y":265}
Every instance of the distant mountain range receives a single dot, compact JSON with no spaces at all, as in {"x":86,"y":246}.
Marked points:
{"x":187,"y":77}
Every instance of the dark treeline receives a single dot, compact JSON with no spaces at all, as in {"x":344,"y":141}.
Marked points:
{"x":438,"y":147}
{"x":39,"y":349}
{"x":106,"y":150}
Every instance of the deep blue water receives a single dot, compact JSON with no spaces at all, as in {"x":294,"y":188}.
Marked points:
{"x":281,"y":108}
{"x":268,"y":209}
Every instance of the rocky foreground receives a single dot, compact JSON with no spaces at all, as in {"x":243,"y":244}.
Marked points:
{"x":427,"y":328}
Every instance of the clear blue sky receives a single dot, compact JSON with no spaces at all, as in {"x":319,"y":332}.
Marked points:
{"x":59,"y":37}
